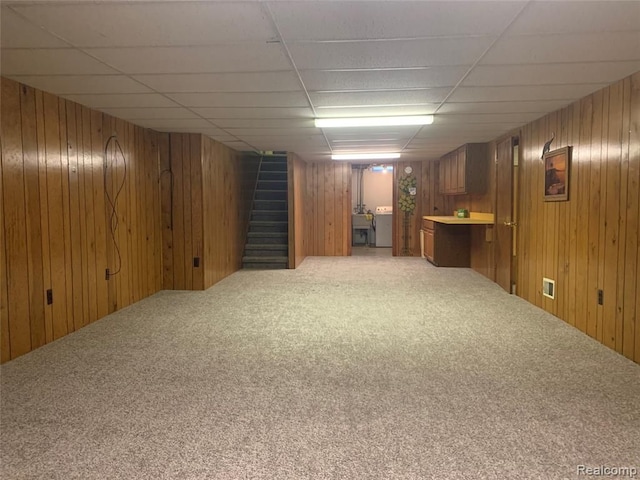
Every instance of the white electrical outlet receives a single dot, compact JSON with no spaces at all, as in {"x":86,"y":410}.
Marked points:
{"x":548,"y":288}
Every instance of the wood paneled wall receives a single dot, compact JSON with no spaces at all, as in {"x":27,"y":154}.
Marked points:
{"x":181,"y":180}
{"x":228,"y":182}
{"x":398,"y":216}
{"x":590,"y":242}
{"x":206,"y":201}
{"x":297,"y":176}
{"x":328,"y":209}
{"x":482,"y":251}
{"x":58,"y":230}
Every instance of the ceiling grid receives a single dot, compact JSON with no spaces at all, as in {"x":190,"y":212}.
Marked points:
{"x":255,"y":74}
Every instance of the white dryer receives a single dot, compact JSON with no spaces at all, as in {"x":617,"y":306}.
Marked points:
{"x":384,"y":219}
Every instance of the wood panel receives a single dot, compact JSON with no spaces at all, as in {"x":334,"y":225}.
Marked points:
{"x":55,"y":217}
{"x":297,"y":176}
{"x":15,"y":230}
{"x":5,"y":344}
{"x":415,"y":220}
{"x":631,"y":261}
{"x":326,"y":200}
{"x":227,"y":182}
{"x":181,"y":184}
{"x":33,"y":222}
{"x":589,"y":243}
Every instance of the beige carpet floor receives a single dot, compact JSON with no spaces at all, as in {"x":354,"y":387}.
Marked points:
{"x":346,"y":368}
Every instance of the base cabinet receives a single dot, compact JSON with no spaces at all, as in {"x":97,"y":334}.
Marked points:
{"x":428,"y":245}
{"x":447,"y":245}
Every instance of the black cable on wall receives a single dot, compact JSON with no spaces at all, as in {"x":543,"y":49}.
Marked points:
{"x":112,"y":202}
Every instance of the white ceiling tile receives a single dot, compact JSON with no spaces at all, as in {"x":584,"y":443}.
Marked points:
{"x":223,"y":82}
{"x":399,"y":97}
{"x":264,"y":122}
{"x":284,"y":142}
{"x":157,"y":123}
{"x":185,"y":23}
{"x":389,"y":54}
{"x":238,"y":146}
{"x":69,"y":84}
{"x":388,"y":133}
{"x":272,"y":132}
{"x":381,"y":111}
{"x":331,"y":80}
{"x":592,"y":47}
{"x":248,"y":112}
{"x":552,"y":74}
{"x":278,"y":99}
{"x":203,"y":130}
{"x":523,"y":93}
{"x":122,"y":100}
{"x":578,"y":16}
{"x":241,"y":57}
{"x":222,"y":138}
{"x":456,"y":139}
{"x":50,"y":61}
{"x":210,"y":131}
{"x":137,"y":113}
{"x":15,"y":32}
{"x":484,"y":118}
{"x":343,"y":145}
{"x":370,"y":20}
{"x":503,"y":107}
{"x":439,"y":131}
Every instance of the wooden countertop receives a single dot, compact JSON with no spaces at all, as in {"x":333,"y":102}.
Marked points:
{"x":474,"y":219}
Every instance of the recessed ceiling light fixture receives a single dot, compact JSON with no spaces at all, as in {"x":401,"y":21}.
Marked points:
{"x":365,"y":156}
{"x":374,"y":121}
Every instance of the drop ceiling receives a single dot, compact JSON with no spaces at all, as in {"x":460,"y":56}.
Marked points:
{"x":254,"y":74}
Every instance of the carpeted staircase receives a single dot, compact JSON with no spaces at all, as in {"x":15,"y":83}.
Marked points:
{"x":267,"y":244}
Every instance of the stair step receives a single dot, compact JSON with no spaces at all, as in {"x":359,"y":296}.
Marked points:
{"x":260,"y":226}
{"x":260,"y":205}
{"x":269,"y":215}
{"x":272,"y":185}
{"x":262,"y":250}
{"x":271,"y":194}
{"x":273,"y":166}
{"x":265,"y":266}
{"x":279,"y":258}
{"x":271,"y":263}
{"x":270,"y":238}
{"x":271,"y":175}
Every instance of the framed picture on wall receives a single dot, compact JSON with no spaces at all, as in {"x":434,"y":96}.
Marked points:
{"x":556,"y":175}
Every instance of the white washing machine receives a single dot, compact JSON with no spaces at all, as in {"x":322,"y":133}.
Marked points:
{"x":384,"y":219}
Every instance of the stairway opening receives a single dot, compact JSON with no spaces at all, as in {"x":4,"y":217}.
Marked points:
{"x":267,"y":244}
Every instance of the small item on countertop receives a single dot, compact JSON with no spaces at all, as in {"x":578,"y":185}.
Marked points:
{"x":463,"y":213}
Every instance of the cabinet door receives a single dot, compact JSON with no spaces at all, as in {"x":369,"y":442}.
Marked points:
{"x":462,"y":170}
{"x":454,"y":173}
{"x":441,"y":175}
{"x":450,"y":175}
{"x":429,"y":245}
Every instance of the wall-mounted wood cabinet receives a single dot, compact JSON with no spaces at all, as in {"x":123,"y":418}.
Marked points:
{"x":464,"y":170}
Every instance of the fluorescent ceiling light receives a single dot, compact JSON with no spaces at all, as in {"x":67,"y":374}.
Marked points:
{"x":374,"y":121}
{"x":365,"y":156}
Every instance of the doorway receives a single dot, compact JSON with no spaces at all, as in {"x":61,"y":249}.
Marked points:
{"x":507,"y":160}
{"x":371,"y":218}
